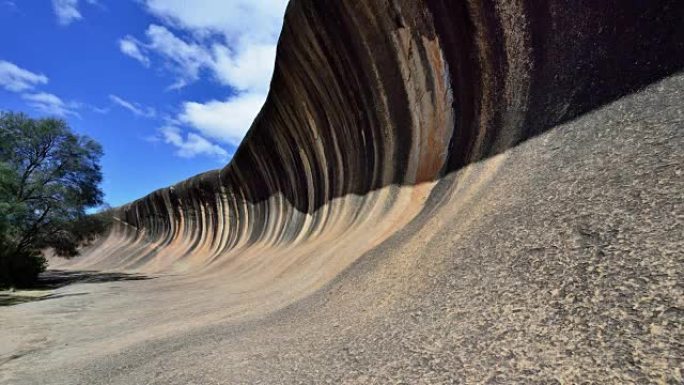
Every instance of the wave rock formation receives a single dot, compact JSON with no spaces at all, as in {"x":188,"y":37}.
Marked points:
{"x":369,"y":97}
{"x":394,"y":130}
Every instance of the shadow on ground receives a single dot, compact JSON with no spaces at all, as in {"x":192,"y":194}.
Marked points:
{"x":55,"y":279}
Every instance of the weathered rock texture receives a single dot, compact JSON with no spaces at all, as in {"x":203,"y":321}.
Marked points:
{"x":397,"y":192}
{"x":372,"y":94}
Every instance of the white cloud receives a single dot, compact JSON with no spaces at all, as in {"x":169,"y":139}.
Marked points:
{"x":66,"y":11}
{"x":233,"y":41}
{"x":50,"y":104}
{"x":186,"y":59}
{"x":228,"y":120}
{"x":129,"y":46}
{"x":135,"y":108}
{"x":192,"y":145}
{"x":238,"y":20}
{"x":249,"y":69}
{"x":16,"y":79}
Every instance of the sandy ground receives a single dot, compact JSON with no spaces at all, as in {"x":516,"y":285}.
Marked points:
{"x":557,"y":262}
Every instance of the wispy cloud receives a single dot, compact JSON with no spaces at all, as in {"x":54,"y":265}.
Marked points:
{"x":9,"y":4}
{"x":245,"y":67}
{"x":238,"y":20}
{"x":66,"y":11}
{"x":238,"y":37}
{"x":233,"y":41}
{"x":50,"y":104}
{"x":16,"y":79}
{"x":99,"y":110}
{"x":185,"y":59}
{"x":192,"y":145}
{"x":130,"y":46}
{"x":135,"y":108}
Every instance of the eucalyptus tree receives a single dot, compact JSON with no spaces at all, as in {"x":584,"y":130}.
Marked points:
{"x":49,"y":178}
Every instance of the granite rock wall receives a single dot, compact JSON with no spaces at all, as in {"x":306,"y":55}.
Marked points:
{"x":372,"y":102}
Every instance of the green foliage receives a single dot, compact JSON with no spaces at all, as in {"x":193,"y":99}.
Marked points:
{"x":49,"y":177}
{"x":20,"y":269}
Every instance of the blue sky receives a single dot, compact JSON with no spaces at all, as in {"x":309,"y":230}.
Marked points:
{"x":168,"y":87}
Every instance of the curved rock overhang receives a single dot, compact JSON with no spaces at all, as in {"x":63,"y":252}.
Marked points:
{"x":372,"y":103}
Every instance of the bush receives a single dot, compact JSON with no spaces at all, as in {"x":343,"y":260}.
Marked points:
{"x":21,"y":269}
